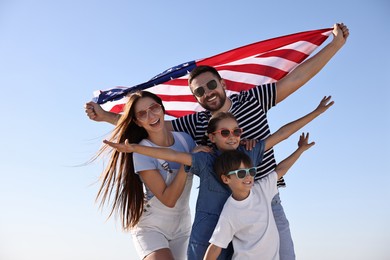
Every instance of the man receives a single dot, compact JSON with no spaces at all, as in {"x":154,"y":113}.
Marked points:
{"x":249,"y":107}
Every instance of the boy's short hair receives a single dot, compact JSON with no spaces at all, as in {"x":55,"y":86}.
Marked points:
{"x":230,"y":161}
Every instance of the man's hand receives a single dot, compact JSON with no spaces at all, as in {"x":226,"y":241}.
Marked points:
{"x":340,"y":33}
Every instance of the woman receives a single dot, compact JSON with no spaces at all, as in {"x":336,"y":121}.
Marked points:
{"x":141,"y":187}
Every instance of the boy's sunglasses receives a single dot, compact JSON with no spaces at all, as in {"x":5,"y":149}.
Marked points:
{"x":143,"y":114}
{"x":226,"y":132}
{"x":199,"y":91}
{"x":242,"y":173}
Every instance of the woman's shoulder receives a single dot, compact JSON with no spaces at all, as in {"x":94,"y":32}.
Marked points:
{"x":185,"y":139}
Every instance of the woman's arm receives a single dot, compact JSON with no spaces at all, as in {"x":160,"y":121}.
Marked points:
{"x":168,"y":195}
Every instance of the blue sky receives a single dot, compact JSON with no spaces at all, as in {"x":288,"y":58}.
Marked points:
{"x":54,"y":54}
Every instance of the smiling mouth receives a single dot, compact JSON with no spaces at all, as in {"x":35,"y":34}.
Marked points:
{"x":155,"y":123}
{"x":211,"y":98}
{"x":247,"y":182}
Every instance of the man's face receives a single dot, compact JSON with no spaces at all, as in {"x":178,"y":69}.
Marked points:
{"x":212,"y":99}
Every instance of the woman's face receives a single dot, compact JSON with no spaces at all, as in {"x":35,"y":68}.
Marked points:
{"x":149,"y":114}
{"x":226,"y":143}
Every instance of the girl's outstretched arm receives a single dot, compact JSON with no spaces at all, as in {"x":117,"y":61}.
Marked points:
{"x":287,"y":130}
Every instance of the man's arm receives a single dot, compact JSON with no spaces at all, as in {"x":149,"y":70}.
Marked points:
{"x":212,"y":252}
{"x":285,"y":165}
{"x":287,"y":130}
{"x":308,"y":69}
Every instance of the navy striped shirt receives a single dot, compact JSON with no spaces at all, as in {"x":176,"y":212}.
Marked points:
{"x":250,"y":108}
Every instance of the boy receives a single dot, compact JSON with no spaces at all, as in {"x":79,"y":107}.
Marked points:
{"x":246,"y":218}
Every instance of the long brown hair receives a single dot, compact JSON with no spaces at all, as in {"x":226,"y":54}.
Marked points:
{"x":119,"y":178}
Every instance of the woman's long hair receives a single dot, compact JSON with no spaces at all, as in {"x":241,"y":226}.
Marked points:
{"x":119,"y":178}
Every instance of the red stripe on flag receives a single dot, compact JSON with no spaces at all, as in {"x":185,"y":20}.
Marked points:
{"x":182,"y":98}
{"x":288,"y":54}
{"x":263,"y":70}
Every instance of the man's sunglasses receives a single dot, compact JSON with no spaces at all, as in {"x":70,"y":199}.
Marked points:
{"x":226,"y":132}
{"x":242,"y":173}
{"x":143,"y":114}
{"x":211,"y":85}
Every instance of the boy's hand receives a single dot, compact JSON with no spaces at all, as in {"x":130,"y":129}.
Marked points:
{"x":303,"y":142}
{"x":324,"y":104}
{"x":124,"y":147}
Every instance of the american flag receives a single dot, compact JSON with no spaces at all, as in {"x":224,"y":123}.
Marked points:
{"x":242,"y":68}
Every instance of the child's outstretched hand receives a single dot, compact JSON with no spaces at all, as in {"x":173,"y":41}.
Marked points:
{"x":124,"y":147}
{"x":303,"y":142}
{"x":324,"y":104}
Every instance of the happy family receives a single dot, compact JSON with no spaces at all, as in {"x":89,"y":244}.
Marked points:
{"x":229,"y":146}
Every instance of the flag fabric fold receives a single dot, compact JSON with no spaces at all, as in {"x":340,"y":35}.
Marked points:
{"x":242,"y":68}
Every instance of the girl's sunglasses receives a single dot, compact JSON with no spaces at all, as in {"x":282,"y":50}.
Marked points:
{"x":143,"y":114}
{"x":199,"y":91}
{"x":242,"y":173}
{"x":226,"y":132}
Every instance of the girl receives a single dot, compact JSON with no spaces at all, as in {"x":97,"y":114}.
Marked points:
{"x":149,"y":193}
{"x":224,"y":132}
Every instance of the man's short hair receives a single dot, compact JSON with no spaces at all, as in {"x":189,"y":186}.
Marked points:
{"x":200,"y":70}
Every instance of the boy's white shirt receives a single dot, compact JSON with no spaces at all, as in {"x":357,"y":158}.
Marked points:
{"x":250,"y":223}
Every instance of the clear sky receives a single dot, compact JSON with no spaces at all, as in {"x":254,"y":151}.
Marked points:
{"x":54,"y":54}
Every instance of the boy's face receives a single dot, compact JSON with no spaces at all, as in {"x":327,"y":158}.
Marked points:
{"x":240,"y":187}
{"x":230,"y":142}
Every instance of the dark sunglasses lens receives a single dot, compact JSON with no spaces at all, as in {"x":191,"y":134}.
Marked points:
{"x":212,"y":85}
{"x":241,"y":174}
{"x":252,"y":172}
{"x":199,"y":92}
{"x":237,"y":132}
{"x":225,"y":133}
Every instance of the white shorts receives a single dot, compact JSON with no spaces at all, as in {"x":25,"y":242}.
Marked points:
{"x":162,"y":228}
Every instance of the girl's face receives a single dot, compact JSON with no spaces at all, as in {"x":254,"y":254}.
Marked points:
{"x":149,"y":114}
{"x":221,"y":140}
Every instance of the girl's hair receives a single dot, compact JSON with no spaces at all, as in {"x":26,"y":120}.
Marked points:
{"x":119,"y":178}
{"x":213,"y":124}
{"x":230,"y":161}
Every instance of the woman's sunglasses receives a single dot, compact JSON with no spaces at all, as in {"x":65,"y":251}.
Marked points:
{"x":143,"y":114}
{"x":199,"y":91}
{"x":242,"y":173}
{"x":226,"y":132}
